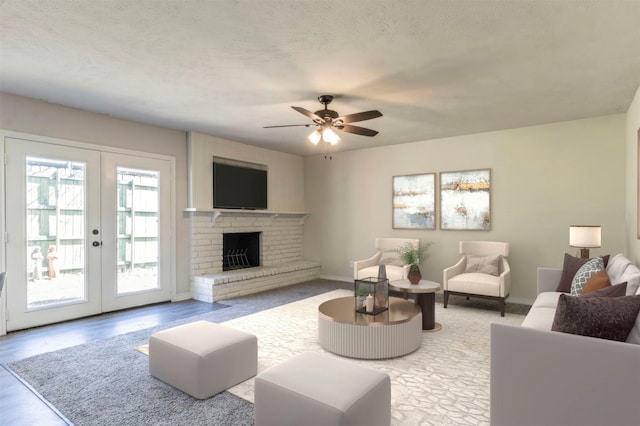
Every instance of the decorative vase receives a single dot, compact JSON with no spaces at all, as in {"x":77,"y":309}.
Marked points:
{"x":382,"y":272}
{"x":414,"y":275}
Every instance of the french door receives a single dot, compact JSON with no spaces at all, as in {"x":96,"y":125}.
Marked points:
{"x":88,"y":232}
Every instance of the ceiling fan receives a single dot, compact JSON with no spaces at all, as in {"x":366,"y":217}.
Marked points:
{"x":326,"y":120}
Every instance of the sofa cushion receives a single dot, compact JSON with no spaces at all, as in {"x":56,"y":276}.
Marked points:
{"x":483,"y":265}
{"x":585,"y":272}
{"x":616,"y":267}
{"x":631,"y":276}
{"x":547,"y":299}
{"x":617,"y":290}
{"x":540,"y":318}
{"x":598,"y":281}
{"x":609,"y":318}
{"x":634,"y":335}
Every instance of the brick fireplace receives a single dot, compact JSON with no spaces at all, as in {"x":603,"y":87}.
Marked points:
{"x":279,"y":262}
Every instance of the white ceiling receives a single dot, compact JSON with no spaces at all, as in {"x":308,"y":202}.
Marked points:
{"x":228,"y":68}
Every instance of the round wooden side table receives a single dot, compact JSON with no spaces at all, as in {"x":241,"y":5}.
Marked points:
{"x":425,"y":292}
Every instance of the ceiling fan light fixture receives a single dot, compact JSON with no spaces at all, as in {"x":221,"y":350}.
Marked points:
{"x":326,"y":121}
{"x":328,"y":135}
{"x":314,"y":137}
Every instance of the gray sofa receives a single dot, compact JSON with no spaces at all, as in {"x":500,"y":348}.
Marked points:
{"x":543,"y":378}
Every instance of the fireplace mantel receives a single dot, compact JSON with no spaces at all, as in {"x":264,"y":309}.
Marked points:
{"x":215,"y":213}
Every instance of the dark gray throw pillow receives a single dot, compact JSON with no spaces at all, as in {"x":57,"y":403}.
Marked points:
{"x":570,"y":266}
{"x":609,"y":318}
{"x":617,"y":290}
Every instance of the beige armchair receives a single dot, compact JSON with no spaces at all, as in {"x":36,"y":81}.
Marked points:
{"x":483,"y":271}
{"x":386,"y":254}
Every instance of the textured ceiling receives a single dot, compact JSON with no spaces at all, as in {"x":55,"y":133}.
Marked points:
{"x":229,"y":68}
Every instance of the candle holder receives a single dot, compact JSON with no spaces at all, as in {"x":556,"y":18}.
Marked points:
{"x":375,"y":290}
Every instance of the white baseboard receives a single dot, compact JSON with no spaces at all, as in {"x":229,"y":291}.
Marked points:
{"x":336,"y":278}
{"x":520,"y":300}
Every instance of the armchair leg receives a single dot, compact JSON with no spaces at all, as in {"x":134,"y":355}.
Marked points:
{"x":446,"y":298}
{"x":502,"y":306}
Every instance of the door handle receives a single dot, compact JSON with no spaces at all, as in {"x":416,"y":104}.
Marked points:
{"x":96,"y":243}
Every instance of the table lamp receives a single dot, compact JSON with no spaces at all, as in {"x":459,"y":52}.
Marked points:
{"x":584,"y":237}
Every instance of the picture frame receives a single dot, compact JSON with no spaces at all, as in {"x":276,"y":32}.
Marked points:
{"x":465,"y":200}
{"x":414,"y":201}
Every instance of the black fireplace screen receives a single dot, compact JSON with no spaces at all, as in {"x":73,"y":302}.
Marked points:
{"x":240,"y":250}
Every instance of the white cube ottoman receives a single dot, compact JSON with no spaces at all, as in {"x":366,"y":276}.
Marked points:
{"x":203,"y":358}
{"x":319,"y":389}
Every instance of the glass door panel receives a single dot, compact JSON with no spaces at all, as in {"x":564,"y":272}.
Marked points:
{"x":55,"y":200}
{"x":138,"y":230}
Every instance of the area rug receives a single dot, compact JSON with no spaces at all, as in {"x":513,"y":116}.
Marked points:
{"x":446,"y":381}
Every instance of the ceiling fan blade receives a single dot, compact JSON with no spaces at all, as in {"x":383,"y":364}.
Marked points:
{"x":357,"y":130}
{"x":288,"y":125}
{"x":309,"y":114}
{"x":360,"y":116}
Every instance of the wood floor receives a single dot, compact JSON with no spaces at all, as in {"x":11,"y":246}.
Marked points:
{"x":19,"y":405}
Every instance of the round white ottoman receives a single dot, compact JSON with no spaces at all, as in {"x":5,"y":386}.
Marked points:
{"x":320,"y":389}
{"x":203,"y":358}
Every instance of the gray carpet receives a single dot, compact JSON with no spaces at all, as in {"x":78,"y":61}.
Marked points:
{"x":107,"y":382}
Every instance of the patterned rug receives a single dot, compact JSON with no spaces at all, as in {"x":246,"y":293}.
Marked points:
{"x":444,"y":382}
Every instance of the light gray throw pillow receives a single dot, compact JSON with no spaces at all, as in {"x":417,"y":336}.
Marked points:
{"x":483,"y":265}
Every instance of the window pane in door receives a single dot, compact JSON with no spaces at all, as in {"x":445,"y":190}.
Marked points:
{"x":138,"y":230}
{"x":55,"y":202}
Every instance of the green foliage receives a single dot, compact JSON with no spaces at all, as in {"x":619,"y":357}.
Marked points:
{"x":363,"y":291}
{"x":414,"y":256}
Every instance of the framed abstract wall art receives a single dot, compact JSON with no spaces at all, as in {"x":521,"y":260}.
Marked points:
{"x":465,"y":200}
{"x":414,"y":201}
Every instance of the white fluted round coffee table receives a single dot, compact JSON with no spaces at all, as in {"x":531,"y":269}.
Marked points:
{"x":392,"y":333}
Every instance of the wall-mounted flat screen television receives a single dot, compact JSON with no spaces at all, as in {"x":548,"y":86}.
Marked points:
{"x":239,"y":187}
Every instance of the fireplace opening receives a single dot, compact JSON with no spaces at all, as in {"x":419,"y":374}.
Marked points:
{"x":240,"y":250}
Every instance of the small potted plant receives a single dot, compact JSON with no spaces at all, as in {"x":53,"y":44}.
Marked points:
{"x":414,"y":256}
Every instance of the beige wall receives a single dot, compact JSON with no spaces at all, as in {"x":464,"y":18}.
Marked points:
{"x":631,"y":217}
{"x":39,"y":118}
{"x":285,"y":176}
{"x":544,"y":178}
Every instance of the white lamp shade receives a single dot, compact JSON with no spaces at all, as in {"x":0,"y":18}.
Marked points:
{"x":314,"y":137}
{"x":584,"y":236}
{"x":328,"y":135}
